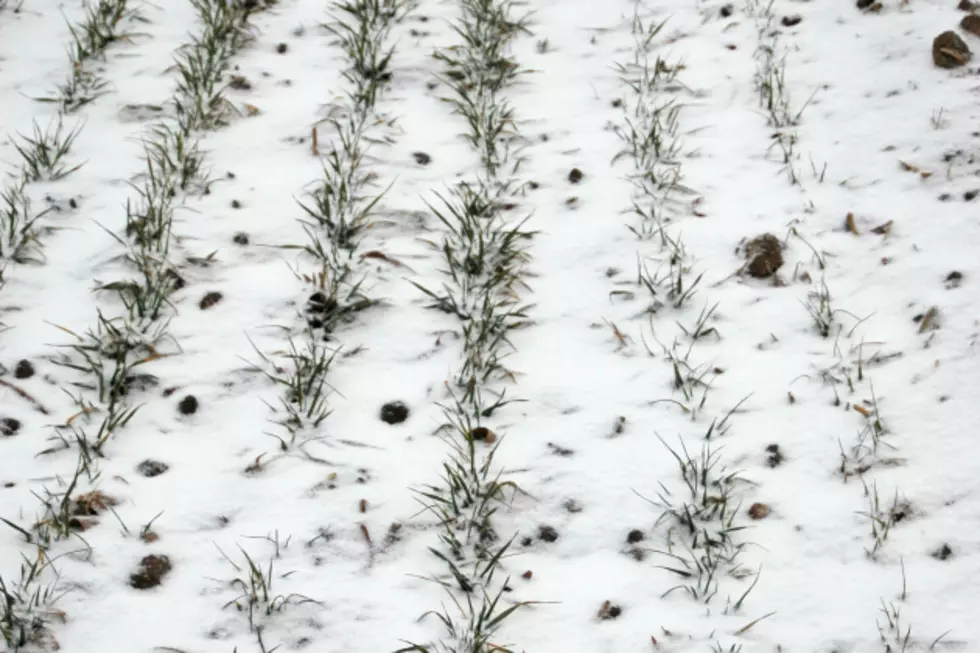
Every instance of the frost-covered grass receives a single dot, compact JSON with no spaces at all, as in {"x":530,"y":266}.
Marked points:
{"x":486,"y":325}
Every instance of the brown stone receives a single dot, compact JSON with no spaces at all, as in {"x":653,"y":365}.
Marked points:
{"x":971,"y":24}
{"x":949,"y":50}
{"x":765,"y":255}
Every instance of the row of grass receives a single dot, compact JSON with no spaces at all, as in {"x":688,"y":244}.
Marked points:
{"x":484,"y":255}
{"x":109,"y":361}
{"x":700,"y":520}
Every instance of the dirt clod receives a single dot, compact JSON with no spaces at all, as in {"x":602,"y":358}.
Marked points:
{"x":726,"y":11}
{"x":151,"y":468}
{"x":282,"y":48}
{"x":188,"y":405}
{"x":609,"y":611}
{"x":422,"y":158}
{"x":942,"y":553}
{"x":764,"y":255}
{"x":235,"y":204}
{"x":483,"y":434}
{"x":971,"y":24}
{"x":759,"y":511}
{"x":394,"y":412}
{"x":241,"y":238}
{"x":9,"y":426}
{"x":949,"y":50}
{"x":954,"y":279}
{"x":774,"y":456}
{"x":575,"y":176}
{"x":24,"y":369}
{"x":634,"y":536}
{"x":151,"y":571}
{"x":792,"y":21}
{"x":547,"y":534}
{"x":210,"y":300}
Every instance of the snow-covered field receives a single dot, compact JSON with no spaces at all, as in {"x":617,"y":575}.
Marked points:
{"x":478,"y":325}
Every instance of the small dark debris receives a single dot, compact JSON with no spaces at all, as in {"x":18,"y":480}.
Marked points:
{"x":775,"y":457}
{"x":609,"y":611}
{"x":864,"y":4}
{"x":547,"y":534}
{"x":765,"y":256}
{"x":945,"y":197}
{"x":151,"y":572}
{"x":151,"y":468}
{"x":635,"y":535}
{"x":210,"y":300}
{"x":966,"y":5}
{"x":9,"y":484}
{"x":24,"y":369}
{"x":954,"y":279}
{"x":235,"y":204}
{"x":240,"y":83}
{"x":726,"y":11}
{"x":901,"y":512}
{"x":533,"y":185}
{"x":394,"y":412}
{"x":73,"y":203}
{"x":970,"y":195}
{"x":188,"y":405}
{"x":527,"y":541}
{"x":617,"y":103}
{"x":792,"y":21}
{"x":575,"y":176}
{"x":241,"y":238}
{"x":422,"y":158}
{"x":573,"y":506}
{"x":9,"y":426}
{"x":559,"y":451}
{"x":282,"y":48}
{"x":758,"y":511}
{"x":942,"y":553}
{"x":483,"y":434}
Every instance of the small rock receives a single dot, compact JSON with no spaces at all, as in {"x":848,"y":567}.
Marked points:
{"x":282,"y":48}
{"x":775,"y":457}
{"x":942,"y":553}
{"x":954,"y":279}
{"x":240,"y":83}
{"x":210,"y":300}
{"x":482,"y":433}
{"x":394,"y":412}
{"x":572,"y":506}
{"x":527,"y":541}
{"x":726,"y":11}
{"x":575,"y":176}
{"x":151,"y":571}
{"x":949,"y":50}
{"x":971,"y":24}
{"x":24,"y":369}
{"x":970,"y":195}
{"x":759,"y":511}
{"x":9,"y":426}
{"x":151,"y":468}
{"x":188,"y":405}
{"x":547,"y":534}
{"x":792,"y":21}
{"x":241,"y":238}
{"x":864,"y":4}
{"x":422,"y":158}
{"x":235,"y":204}
{"x":634,"y":536}
{"x":609,"y":611}
{"x":765,"y":255}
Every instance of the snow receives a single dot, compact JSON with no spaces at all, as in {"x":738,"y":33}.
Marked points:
{"x":874,"y":93}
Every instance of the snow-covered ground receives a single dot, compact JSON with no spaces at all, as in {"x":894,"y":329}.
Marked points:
{"x":694,"y":451}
